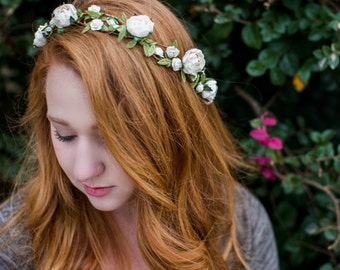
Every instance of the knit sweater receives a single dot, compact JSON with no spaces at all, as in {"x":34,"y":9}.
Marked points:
{"x":254,"y":232}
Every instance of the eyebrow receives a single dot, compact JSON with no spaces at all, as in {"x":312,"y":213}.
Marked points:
{"x":57,"y":120}
{"x":63,"y":122}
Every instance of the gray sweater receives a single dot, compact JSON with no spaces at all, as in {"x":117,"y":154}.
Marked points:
{"x":254,"y":232}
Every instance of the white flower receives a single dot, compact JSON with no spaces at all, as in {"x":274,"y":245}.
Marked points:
{"x":96,"y":25}
{"x":210,"y":95}
{"x":159,"y":52}
{"x":62,"y":15}
{"x":94,"y":8}
{"x":176,"y":64}
{"x":112,"y":22}
{"x":172,"y":51}
{"x":40,"y":35}
{"x":139,"y":26}
{"x":193,"y":61}
{"x":39,"y":39}
{"x":199,"y":88}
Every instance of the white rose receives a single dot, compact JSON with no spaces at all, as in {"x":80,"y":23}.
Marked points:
{"x":193,"y":61}
{"x":139,"y":26}
{"x":210,"y":95}
{"x":94,"y":8}
{"x":199,"y":88}
{"x":172,"y":51}
{"x":176,"y":64}
{"x":39,"y":39}
{"x":96,"y":25}
{"x":159,"y":52}
{"x":212,"y":84}
{"x":112,"y":22}
{"x":62,"y":15}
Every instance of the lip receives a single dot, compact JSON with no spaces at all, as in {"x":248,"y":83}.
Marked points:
{"x":98,"y":191}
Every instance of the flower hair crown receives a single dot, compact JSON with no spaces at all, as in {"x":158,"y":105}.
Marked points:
{"x":137,"y":29}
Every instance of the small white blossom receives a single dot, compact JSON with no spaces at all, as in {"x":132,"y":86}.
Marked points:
{"x":199,"y":88}
{"x":94,"y":8}
{"x":62,"y":15}
{"x":96,"y":25}
{"x":193,"y":62}
{"x":39,"y":39}
{"x":112,"y":22}
{"x":176,"y":64}
{"x":210,"y":95}
{"x":139,"y":26}
{"x":159,"y":52}
{"x":172,"y":51}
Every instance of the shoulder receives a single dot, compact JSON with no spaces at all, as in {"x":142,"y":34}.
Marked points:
{"x":255,"y":232}
{"x":15,"y":248}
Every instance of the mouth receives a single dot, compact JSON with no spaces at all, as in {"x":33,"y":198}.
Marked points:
{"x":98,"y":191}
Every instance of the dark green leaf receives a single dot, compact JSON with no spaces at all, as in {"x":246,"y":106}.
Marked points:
{"x":277,"y":77}
{"x":289,"y":64}
{"x":269,"y":58}
{"x":255,"y":68}
{"x":251,"y":36}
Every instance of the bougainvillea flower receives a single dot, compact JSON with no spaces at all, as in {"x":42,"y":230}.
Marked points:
{"x":274,"y":143}
{"x":262,"y":160}
{"x":268,"y":173}
{"x":259,"y":134}
{"x":269,"y":121}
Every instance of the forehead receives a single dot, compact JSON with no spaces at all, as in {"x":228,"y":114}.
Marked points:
{"x":66,"y":95}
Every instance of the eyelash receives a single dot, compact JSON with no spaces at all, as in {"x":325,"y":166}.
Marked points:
{"x":63,"y":138}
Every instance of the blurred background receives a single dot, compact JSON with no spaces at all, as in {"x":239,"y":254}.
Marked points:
{"x":276,"y":59}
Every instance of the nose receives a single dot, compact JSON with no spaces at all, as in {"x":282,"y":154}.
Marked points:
{"x":88,"y":163}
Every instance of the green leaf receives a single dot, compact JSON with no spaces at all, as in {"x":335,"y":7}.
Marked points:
{"x":269,"y":58}
{"x":327,"y":135}
{"x":326,"y":266}
{"x":315,"y":137}
{"x":255,"y":68}
{"x":292,"y":161}
{"x":93,"y":14}
{"x":330,"y":235}
{"x":251,"y":36}
{"x":289,"y":64}
{"x":336,"y":164}
{"x":183,"y":76}
{"x":256,"y":123}
{"x":164,"y":62}
{"x":149,"y":49}
{"x":87,"y":28}
{"x":122,"y":33}
{"x":221,"y":31}
{"x":277,"y":77}
{"x":293,"y":184}
{"x":124,"y":18}
{"x":132,"y":43}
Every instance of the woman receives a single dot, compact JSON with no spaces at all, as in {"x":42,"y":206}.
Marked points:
{"x":132,"y":165}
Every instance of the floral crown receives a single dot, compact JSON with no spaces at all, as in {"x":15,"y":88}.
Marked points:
{"x":137,"y":29}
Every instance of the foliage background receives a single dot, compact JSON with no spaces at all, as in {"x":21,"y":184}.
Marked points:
{"x":279,"y":56}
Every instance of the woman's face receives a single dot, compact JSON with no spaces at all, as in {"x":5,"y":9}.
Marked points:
{"x":81,"y":151}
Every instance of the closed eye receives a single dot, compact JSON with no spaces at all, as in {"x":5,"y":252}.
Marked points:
{"x":63,"y":138}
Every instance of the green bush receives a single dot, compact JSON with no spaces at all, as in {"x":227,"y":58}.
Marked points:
{"x":276,"y":59}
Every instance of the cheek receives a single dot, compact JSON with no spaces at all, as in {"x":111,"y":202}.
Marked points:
{"x":63,"y":155}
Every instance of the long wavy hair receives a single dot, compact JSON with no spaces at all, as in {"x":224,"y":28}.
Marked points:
{"x":174,"y":147}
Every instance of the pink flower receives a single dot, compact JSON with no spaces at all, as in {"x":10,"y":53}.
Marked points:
{"x":274,"y":143}
{"x":267,"y":120}
{"x":268,"y":173}
{"x":262,"y":160}
{"x":259,"y":134}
